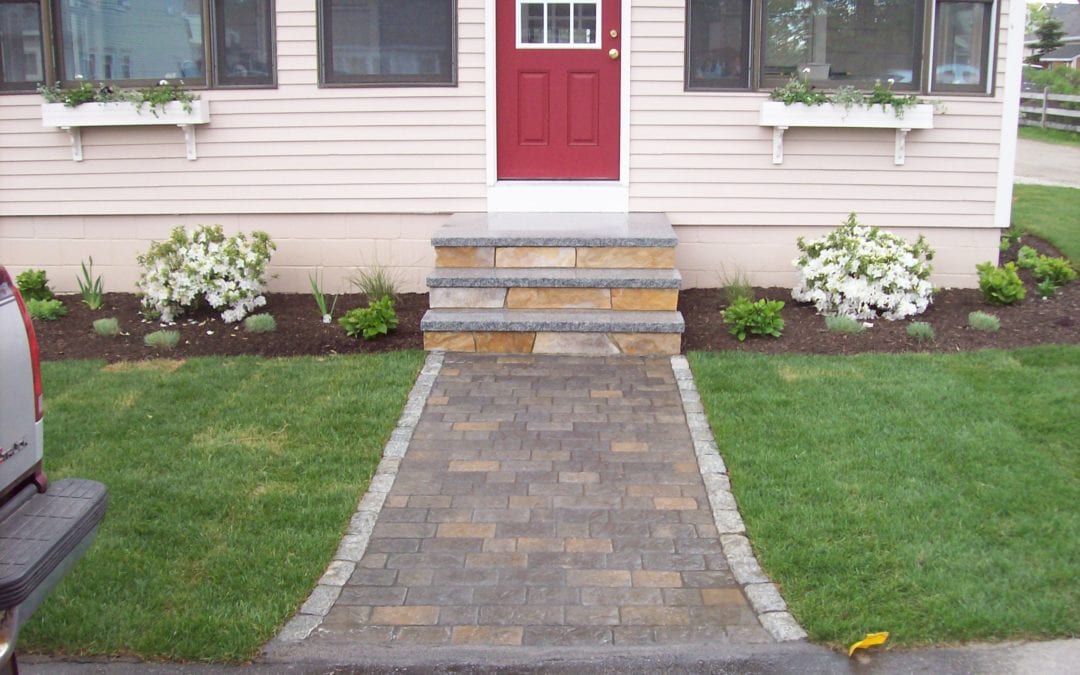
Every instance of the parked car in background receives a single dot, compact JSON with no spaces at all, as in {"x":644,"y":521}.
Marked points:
{"x":44,"y":529}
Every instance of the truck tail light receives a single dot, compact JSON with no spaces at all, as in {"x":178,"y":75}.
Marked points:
{"x":31,"y":338}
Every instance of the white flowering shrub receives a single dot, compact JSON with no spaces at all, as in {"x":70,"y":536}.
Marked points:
{"x":205,"y":265}
{"x":863,"y":272}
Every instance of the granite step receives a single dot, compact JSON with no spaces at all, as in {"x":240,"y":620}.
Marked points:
{"x":574,"y":230}
{"x":568,"y":331}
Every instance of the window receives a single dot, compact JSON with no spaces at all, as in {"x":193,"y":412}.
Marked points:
{"x":135,"y":42}
{"x":555,"y":23}
{"x":843,"y":42}
{"x":718,"y":44}
{"x":741,"y":44}
{"x":22,"y":66}
{"x":962,"y":45}
{"x":387,"y":42}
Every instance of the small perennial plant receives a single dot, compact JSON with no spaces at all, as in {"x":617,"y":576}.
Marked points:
{"x":187,"y":268}
{"x":864,"y":272}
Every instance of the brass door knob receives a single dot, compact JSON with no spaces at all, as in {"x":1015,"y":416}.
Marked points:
{"x":613,"y":54}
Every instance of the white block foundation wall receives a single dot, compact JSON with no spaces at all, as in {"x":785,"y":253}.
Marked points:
{"x":339,"y":244}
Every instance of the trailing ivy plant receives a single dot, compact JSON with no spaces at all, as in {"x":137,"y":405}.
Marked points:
{"x":156,"y":97}
{"x":799,"y":90}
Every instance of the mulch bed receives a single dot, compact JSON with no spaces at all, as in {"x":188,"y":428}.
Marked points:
{"x":301,"y":332}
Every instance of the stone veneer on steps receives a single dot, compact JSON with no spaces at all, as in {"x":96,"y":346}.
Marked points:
{"x":558,"y":283}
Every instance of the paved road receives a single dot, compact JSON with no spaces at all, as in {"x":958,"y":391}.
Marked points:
{"x":1047,"y":163}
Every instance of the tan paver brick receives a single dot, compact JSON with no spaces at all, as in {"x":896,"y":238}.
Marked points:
{"x":675,"y":503}
{"x":598,"y":578}
{"x":475,"y":426}
{"x":496,"y":560}
{"x":481,"y":530}
{"x":605,"y":393}
{"x":656,"y":579}
{"x":584,"y":545}
{"x":408,"y":615}
{"x":731,"y":597}
{"x":655,"y":616}
{"x":487,"y":635}
{"x":629,"y":446}
{"x":474,"y":465}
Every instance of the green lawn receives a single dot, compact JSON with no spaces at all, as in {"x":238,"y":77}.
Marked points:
{"x":1052,"y":213}
{"x":1058,"y":136}
{"x":931,"y":496}
{"x":231,"y":481}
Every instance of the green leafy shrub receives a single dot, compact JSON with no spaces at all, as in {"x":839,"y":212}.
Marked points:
{"x":260,"y":323}
{"x":162,"y":339}
{"x":754,"y":318}
{"x":34,"y":285}
{"x":1026,"y":257}
{"x":984,"y":321}
{"x":844,"y":324}
{"x":1000,"y":285}
{"x":1058,"y":271}
{"x":109,"y":327}
{"x":46,"y":310}
{"x":204,"y":265}
{"x":91,"y":289}
{"x":376,"y":282}
{"x":378,"y":318}
{"x":920,"y":331}
{"x":863,"y":272}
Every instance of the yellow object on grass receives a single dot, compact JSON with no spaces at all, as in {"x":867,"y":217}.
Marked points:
{"x":871,"y":640}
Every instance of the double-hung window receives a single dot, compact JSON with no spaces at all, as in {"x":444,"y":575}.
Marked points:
{"x":387,"y":42}
{"x":920,"y":45}
{"x":205,"y":43}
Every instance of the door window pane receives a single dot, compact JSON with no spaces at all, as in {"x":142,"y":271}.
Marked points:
{"x":244,"y":42}
{"x":21,"y":64}
{"x":388,"y":41}
{"x":558,"y":22}
{"x":961,"y":46}
{"x":718,"y":44}
{"x":119,"y":39}
{"x":840,"y":42}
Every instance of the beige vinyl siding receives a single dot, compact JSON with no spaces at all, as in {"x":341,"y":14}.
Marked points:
{"x":702,"y":157}
{"x":297,"y":149}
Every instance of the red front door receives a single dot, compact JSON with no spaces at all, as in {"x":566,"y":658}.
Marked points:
{"x":557,"y":88}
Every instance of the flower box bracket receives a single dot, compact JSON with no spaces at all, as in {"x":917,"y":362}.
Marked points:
{"x":782,"y":117}
{"x":122,"y":114}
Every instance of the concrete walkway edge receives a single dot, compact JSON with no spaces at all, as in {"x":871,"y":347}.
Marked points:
{"x":355,"y":542}
{"x":764,"y":596}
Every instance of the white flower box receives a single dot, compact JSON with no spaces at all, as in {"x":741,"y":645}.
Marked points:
{"x":781,"y":117}
{"x":122,"y":114}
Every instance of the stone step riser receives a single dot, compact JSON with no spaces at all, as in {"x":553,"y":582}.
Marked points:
{"x":584,"y":257}
{"x":617,"y":299}
{"x":547,"y":342}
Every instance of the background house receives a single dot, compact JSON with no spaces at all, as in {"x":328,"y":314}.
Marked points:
{"x":351,"y":129}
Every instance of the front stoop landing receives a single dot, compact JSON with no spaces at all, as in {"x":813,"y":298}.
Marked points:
{"x":555,"y":283}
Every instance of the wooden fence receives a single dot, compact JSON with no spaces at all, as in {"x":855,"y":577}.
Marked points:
{"x":1037,"y":110}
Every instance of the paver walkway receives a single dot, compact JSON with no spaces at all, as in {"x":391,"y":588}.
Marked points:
{"x":545,"y":501}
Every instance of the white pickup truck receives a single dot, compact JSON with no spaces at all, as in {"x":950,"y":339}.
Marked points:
{"x":44,"y":528}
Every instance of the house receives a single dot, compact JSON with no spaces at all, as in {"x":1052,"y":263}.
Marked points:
{"x":1067,"y":56}
{"x":1069,"y":16}
{"x":353,"y":130}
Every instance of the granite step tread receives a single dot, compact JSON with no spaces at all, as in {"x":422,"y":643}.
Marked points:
{"x":552,"y":277}
{"x":562,"y":320}
{"x":632,"y":230}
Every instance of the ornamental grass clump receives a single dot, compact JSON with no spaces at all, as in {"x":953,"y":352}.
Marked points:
{"x":108,"y":327}
{"x":864,"y":273}
{"x":188,"y":268}
{"x":983,"y":321}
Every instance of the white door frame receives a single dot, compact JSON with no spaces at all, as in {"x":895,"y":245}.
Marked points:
{"x":557,"y":195}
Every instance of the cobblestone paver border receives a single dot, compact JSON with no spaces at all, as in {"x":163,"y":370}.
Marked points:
{"x":764,"y":596}
{"x":355,"y":542}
